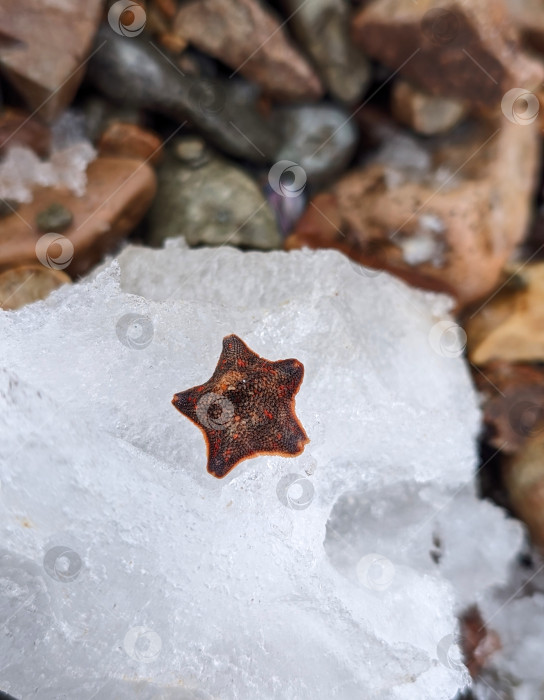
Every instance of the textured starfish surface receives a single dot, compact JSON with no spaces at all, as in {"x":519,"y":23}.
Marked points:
{"x":247,"y":408}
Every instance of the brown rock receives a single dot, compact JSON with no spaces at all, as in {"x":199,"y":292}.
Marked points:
{"x":17,"y":128}
{"x":425,"y":113}
{"x":44,"y":48}
{"x":119,"y":192}
{"x":523,"y":475}
{"x":125,"y":140}
{"x":528,"y":16}
{"x":28,"y":283}
{"x":467,"y":51}
{"x":251,"y":40}
{"x":513,"y":403}
{"x":444,"y":215}
{"x":510,"y":326}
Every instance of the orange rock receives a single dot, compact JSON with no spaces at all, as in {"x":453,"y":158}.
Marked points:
{"x":524,"y":480}
{"x":250,"y":39}
{"x":467,"y":50}
{"x":28,"y":283}
{"x":447,"y":217}
{"x":424,"y":113}
{"x":511,"y":325}
{"x":44,"y":47}
{"x":17,"y":128}
{"x":119,"y":192}
{"x":125,"y":140}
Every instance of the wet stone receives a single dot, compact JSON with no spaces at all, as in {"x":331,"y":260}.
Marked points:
{"x":55,"y":218}
{"x":210,"y":202}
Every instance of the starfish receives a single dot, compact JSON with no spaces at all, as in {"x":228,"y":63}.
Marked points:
{"x":247,"y":408}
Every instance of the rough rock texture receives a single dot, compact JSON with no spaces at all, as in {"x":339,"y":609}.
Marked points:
{"x":336,"y":573}
{"x":510,"y":326}
{"x":44,"y":49}
{"x":528,"y":16}
{"x":118,"y":193}
{"x":133,"y":74}
{"x":249,"y":39}
{"x":18,"y":128}
{"x":209,"y":201}
{"x":28,"y":283}
{"x":322,"y":28}
{"x":319,"y":138}
{"x":125,"y":140}
{"x":466,"y":50}
{"x":524,"y":480}
{"x":513,"y":403}
{"x":423,"y":113}
{"x":445,"y":214}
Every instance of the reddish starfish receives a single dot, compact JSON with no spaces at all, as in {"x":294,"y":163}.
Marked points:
{"x":247,"y":408}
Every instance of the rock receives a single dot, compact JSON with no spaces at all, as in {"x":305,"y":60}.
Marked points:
{"x":445,"y":214}
{"x":55,"y":218}
{"x":423,"y":113}
{"x":23,"y":285}
{"x":119,"y":192}
{"x":133,"y":73}
{"x":524,"y":480}
{"x":322,"y":28}
{"x":294,"y":564}
{"x":17,"y":128}
{"x":528,"y":16}
{"x":466,"y":50}
{"x":249,"y":39}
{"x":209,"y":202}
{"x":124,"y":140}
{"x":510,"y":325}
{"x":513,"y":403}
{"x":319,"y":138}
{"x":44,"y":50}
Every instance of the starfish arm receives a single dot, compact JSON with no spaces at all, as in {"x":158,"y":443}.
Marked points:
{"x":293,"y":372}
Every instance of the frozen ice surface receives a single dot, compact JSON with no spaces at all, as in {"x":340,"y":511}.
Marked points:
{"x":126,"y":569}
